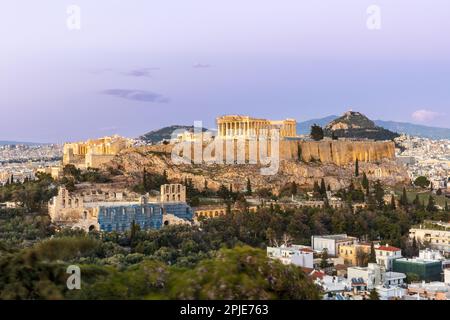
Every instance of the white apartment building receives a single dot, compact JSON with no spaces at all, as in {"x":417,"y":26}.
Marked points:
{"x":385,"y":255}
{"x":370,"y":274}
{"x":331,"y":243}
{"x":294,"y":254}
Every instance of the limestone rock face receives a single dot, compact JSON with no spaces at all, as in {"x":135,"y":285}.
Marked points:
{"x":345,"y":152}
{"x":336,"y":167}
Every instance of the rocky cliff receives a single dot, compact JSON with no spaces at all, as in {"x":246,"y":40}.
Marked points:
{"x":157,"y":159}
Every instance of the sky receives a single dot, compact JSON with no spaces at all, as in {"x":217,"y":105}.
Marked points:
{"x":137,"y":65}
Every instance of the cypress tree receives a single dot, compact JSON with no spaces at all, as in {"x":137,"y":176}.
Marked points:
{"x":393,"y":206}
{"x":357,"y":168}
{"x":249,"y":187}
{"x":323,"y":188}
{"x":372,"y":256}
{"x":365,"y":181}
{"x":404,"y":198}
{"x":431,"y":204}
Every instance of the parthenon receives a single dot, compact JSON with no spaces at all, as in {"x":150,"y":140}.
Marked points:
{"x":230,"y":126}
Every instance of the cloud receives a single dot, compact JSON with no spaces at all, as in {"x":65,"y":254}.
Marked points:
{"x":423,"y":115}
{"x":137,"y":95}
{"x":141,"y":72}
{"x":201,"y":66}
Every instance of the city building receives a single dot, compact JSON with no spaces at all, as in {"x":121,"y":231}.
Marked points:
{"x":293,"y":254}
{"x":429,"y":291}
{"x":94,"y":153}
{"x":447,"y":276}
{"x":434,"y":234}
{"x":109,"y":210}
{"x":331,"y":243}
{"x":354,"y":254}
{"x":370,"y":275}
{"x":385,"y":255}
{"x":427,"y":270}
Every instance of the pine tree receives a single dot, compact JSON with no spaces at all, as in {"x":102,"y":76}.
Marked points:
{"x":357,"y":168}
{"x":324,"y":259}
{"x":316,"y":132}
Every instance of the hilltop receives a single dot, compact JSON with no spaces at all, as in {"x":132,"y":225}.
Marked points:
{"x":157,"y":136}
{"x":354,"y":124}
{"x":411,"y":129}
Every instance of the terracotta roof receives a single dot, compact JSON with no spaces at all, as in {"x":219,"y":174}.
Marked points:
{"x":340,"y":267}
{"x":317,"y":274}
{"x":387,"y":248}
{"x":306,"y":250}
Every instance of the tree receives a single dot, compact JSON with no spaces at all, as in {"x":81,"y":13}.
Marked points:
{"x":431,"y":206}
{"x":293,"y":188}
{"x":404,"y":198}
{"x":324,"y":259}
{"x":446,"y":206}
{"x":412,"y":277}
{"x":365,"y":181}
{"x":249,"y":187}
{"x":439,"y":192}
{"x":223,"y":192}
{"x":316,"y":132}
{"x":373,"y":295}
{"x":356,"y":167}
{"x":379,"y":194}
{"x":422,"y":182}
{"x":372,"y":256}
{"x":393,"y":206}
{"x":323,"y":188}
{"x":316,"y":188}
{"x":416,"y":201}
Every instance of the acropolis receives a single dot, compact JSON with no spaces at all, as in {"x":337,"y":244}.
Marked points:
{"x":93,"y":153}
{"x":231,"y":126}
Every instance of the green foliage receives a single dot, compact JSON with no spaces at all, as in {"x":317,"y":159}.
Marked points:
{"x":242,"y":273}
{"x":249,"y":188}
{"x":372,"y":256}
{"x":373,"y":295}
{"x":316,"y":132}
{"x":412,"y":277}
{"x":32,"y":195}
{"x":422,"y":182}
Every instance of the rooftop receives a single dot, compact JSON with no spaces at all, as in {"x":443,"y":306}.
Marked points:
{"x":388,"y":248}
